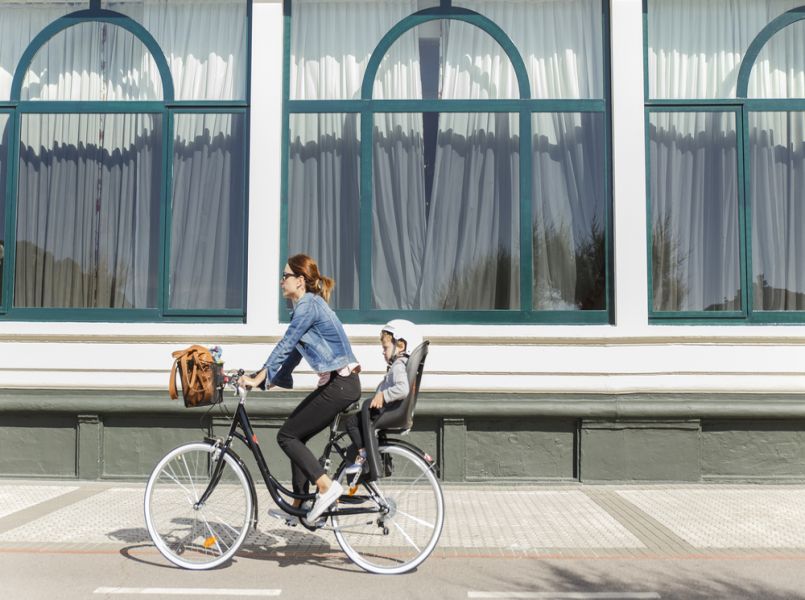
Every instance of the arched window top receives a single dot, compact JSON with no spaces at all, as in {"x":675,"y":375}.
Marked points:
{"x":91,"y":56}
{"x":494,"y":73}
{"x":774,"y":65}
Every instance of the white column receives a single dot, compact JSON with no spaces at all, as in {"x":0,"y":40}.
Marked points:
{"x":628,"y":166}
{"x":265,"y":162}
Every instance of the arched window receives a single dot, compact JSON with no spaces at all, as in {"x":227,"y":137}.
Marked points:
{"x":725,"y":108}
{"x":123,"y":161}
{"x":451,"y":162}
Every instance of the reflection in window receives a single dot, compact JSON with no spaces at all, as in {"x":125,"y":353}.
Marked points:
{"x":777,"y":158}
{"x":324,"y":198}
{"x":207,"y":225}
{"x":88,"y":211}
{"x":569,"y":218}
{"x":694,"y":211}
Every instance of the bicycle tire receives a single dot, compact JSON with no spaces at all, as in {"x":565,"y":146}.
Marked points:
{"x":197,"y":537}
{"x":402,"y":538}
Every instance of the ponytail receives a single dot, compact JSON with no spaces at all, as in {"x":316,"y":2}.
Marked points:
{"x":326,"y":285}
{"x":316,"y":283}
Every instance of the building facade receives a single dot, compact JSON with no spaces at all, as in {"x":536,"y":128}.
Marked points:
{"x":595,"y":210}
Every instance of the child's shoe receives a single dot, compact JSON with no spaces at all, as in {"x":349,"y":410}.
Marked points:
{"x":357,"y":466}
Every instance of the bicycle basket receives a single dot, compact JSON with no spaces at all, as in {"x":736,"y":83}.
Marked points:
{"x":201,"y":377}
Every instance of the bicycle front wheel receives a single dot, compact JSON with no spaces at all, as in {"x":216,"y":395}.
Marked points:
{"x":192,"y":535}
{"x":403,"y":519}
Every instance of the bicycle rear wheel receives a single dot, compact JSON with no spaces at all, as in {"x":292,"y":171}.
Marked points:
{"x":191,"y":536}
{"x":408,"y":526}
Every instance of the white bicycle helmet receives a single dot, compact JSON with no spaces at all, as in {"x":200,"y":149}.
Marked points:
{"x":400,"y":329}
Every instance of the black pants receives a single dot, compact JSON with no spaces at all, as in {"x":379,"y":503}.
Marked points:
{"x":355,"y":428}
{"x":314,"y":414}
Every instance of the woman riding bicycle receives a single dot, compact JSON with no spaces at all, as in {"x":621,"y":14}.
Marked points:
{"x":315,"y":334}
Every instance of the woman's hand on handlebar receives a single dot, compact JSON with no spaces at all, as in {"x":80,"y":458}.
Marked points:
{"x":254,"y":381}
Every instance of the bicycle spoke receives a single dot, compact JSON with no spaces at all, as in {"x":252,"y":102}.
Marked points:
{"x":172,"y":476}
{"x":405,"y":535}
{"x":415,"y":519}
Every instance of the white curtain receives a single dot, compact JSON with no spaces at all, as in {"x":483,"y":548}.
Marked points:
{"x":19,"y":24}
{"x":695,"y":52}
{"x":472,"y":245}
{"x":695,"y":48}
{"x":206,"y":268}
{"x":777,"y":158}
{"x":324,"y":160}
{"x":204,"y":42}
{"x":88,"y":211}
{"x":93,"y":61}
{"x":694,"y":196}
{"x":561,"y":42}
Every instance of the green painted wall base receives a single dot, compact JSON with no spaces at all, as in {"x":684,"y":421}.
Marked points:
{"x":474,"y":437}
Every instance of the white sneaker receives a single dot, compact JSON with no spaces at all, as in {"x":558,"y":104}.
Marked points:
{"x":324,"y":501}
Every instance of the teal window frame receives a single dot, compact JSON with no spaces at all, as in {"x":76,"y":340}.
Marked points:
{"x":524,"y":106}
{"x":742,"y":106}
{"x":167,"y":108}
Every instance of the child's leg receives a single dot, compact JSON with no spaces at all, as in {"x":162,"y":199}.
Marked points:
{"x":354,"y":430}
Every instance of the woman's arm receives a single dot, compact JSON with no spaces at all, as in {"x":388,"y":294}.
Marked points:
{"x":285,"y":356}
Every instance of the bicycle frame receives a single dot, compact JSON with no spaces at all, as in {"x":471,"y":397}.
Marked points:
{"x":241,"y":429}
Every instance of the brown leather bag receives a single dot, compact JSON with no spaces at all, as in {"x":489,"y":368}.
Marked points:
{"x":202,"y":377}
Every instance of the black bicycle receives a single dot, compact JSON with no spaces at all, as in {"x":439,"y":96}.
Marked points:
{"x":201,"y":501}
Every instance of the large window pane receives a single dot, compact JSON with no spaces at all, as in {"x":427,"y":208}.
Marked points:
{"x":695,"y":48}
{"x":3,"y":171}
{"x":561,"y":42}
{"x":204,"y":41}
{"x":447,"y":237}
{"x":20,"y":22}
{"x":331,"y":43}
{"x":88,"y":211}
{"x":207,"y":224}
{"x":779,"y":71}
{"x":777,"y":158}
{"x":324,"y":197}
{"x":694,"y":211}
{"x":569,"y":211}
{"x":92,"y":61}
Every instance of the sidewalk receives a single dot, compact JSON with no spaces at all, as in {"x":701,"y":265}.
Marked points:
{"x":545,"y":521}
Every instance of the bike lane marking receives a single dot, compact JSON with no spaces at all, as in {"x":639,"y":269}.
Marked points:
{"x":188,"y":591}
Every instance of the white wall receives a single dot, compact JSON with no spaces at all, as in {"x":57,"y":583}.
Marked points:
{"x":630,"y":356}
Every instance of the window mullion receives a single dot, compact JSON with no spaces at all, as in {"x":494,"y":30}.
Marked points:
{"x":526,"y":228}
{"x":365,"y":261}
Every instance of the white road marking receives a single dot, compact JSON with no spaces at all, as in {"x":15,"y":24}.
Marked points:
{"x":566,"y":595}
{"x":188,"y":591}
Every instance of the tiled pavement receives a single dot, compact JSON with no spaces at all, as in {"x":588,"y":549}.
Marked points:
{"x":584,"y":521}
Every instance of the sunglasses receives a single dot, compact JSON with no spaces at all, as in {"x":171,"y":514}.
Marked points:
{"x":285,"y":276}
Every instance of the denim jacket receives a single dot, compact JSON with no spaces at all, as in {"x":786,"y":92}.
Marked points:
{"x":315,"y":334}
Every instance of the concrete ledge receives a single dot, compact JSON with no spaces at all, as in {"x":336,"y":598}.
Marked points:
{"x":452,"y":404}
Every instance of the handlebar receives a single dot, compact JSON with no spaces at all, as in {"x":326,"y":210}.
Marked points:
{"x":232,"y":379}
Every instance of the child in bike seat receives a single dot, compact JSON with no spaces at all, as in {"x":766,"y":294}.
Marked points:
{"x":398,"y":338}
